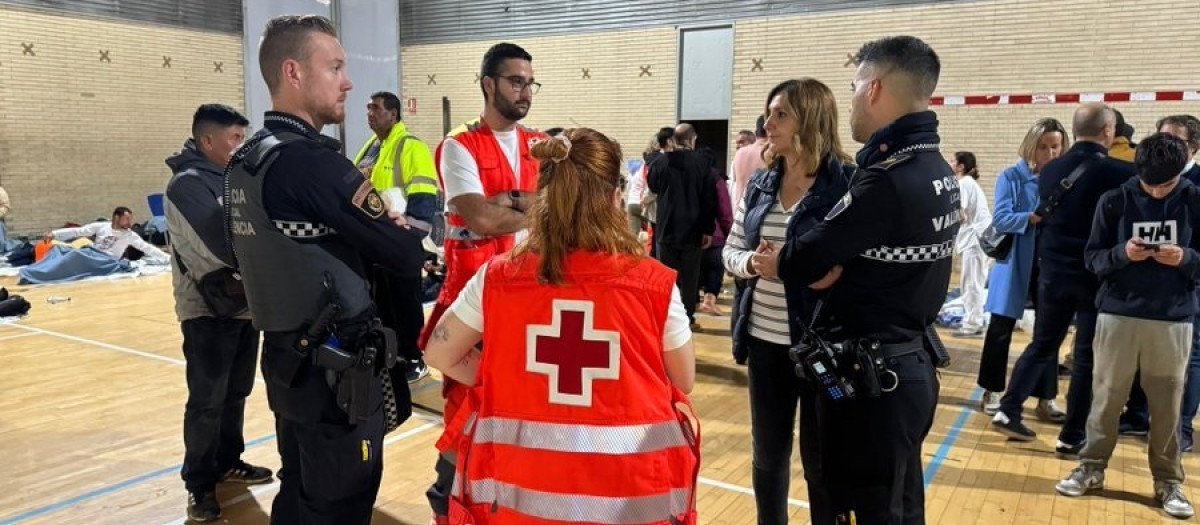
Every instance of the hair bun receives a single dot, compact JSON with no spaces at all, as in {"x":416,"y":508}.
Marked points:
{"x":555,"y":149}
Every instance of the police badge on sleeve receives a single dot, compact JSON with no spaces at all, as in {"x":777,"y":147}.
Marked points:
{"x":368,"y":200}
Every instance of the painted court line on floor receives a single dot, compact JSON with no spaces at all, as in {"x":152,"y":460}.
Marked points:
{"x":117,"y":487}
{"x":121,"y":349}
{"x":744,"y":490}
{"x":274,"y":485}
{"x":944,"y":450}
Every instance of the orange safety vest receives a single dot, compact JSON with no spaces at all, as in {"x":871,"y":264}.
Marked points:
{"x":574,"y":419}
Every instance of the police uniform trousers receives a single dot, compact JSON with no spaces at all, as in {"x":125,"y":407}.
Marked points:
{"x":331,"y":469}
{"x":870,"y":449}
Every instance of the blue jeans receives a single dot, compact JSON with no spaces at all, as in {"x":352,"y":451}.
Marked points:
{"x":1057,"y":305}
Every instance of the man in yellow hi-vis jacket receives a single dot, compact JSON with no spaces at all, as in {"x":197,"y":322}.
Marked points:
{"x":398,"y":163}
{"x":401,"y":169}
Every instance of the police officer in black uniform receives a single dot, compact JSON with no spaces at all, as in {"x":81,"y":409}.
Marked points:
{"x":301,"y":217}
{"x":884,"y":253}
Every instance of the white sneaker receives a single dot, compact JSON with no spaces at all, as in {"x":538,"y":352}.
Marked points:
{"x":1048,"y":411}
{"x":1172,"y":499}
{"x":990,"y":403}
{"x":1080,"y":481}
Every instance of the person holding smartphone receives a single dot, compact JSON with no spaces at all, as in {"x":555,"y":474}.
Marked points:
{"x":1143,"y":247}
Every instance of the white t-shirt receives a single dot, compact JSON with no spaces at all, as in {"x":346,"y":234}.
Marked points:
{"x":468,"y":307}
{"x":111,"y":241}
{"x":460,"y":172}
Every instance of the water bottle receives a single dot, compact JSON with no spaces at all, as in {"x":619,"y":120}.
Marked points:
{"x":55,"y":299}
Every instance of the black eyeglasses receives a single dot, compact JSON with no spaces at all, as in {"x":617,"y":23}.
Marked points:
{"x":519,"y":84}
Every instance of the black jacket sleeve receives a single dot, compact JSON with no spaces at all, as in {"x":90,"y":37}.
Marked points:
{"x":1105,"y":251}
{"x":861,"y":221}
{"x":344,"y":200}
{"x":1190,"y":266}
{"x":658,"y":177}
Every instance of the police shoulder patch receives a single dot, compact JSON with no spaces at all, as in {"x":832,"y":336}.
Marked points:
{"x":368,"y":200}
{"x":840,"y":207}
{"x":891,"y":162}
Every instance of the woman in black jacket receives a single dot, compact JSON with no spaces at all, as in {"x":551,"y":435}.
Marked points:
{"x":808,"y":171}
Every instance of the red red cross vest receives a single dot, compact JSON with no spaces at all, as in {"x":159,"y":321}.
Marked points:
{"x":465,"y":257}
{"x":574,"y":419}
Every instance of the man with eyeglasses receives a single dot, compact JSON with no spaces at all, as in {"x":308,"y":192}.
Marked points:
{"x":490,"y":180}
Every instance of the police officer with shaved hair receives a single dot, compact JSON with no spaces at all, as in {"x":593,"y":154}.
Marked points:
{"x":302,"y":219}
{"x":884,"y":256}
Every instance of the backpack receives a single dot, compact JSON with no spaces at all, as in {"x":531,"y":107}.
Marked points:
{"x":12,"y":305}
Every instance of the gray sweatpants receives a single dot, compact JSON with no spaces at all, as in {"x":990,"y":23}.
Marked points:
{"x":1160,"y":349}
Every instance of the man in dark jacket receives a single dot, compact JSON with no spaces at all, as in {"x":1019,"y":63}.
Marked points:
{"x":1066,"y":289}
{"x":220,"y":352}
{"x":1143,"y":246}
{"x":1136,"y":419}
{"x":687,"y":209}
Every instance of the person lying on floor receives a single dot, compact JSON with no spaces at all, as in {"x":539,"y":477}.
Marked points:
{"x":112,"y":238}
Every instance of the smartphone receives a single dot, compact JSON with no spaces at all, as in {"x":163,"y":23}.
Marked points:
{"x":1147,"y":246}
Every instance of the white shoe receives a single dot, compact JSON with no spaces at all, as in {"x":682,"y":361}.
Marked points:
{"x":1048,"y":411}
{"x":1081,"y":480}
{"x":1172,"y":499}
{"x":990,"y":403}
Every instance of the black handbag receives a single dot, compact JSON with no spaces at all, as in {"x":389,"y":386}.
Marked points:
{"x":223,"y":293}
{"x":996,"y":244}
{"x":222,"y":290}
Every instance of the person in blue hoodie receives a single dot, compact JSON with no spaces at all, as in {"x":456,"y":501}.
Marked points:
{"x":1144,"y":248}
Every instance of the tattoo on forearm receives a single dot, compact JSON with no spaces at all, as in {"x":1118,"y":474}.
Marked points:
{"x":467,"y":359}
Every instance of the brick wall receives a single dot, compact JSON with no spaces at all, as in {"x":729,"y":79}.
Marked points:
{"x":987,"y":47}
{"x":617,"y":100}
{"x":79,"y":135}
{"x":994,"y":47}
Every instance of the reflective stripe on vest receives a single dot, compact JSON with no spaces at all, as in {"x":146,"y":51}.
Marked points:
{"x":581,"y":439}
{"x":577,"y":508}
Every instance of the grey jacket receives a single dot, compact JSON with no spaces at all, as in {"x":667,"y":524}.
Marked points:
{"x":195,"y":220}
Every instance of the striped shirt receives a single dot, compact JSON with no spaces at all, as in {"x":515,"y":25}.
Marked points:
{"x":768,"y":311}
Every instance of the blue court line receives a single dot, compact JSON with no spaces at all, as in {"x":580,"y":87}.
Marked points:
{"x":55,"y":507}
{"x":951,"y":437}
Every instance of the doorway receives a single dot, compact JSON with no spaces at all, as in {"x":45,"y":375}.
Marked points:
{"x":706,"y":86}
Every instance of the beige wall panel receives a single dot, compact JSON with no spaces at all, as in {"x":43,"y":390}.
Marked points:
{"x":81,"y":136}
{"x":999,"y":47}
{"x":991,"y":47}
{"x":615,"y":100}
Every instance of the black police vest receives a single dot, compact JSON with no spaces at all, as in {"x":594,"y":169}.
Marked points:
{"x":284,"y":279}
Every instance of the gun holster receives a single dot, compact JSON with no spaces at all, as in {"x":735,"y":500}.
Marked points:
{"x":353,"y":375}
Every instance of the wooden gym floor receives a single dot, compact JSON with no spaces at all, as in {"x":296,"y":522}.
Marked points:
{"x":92,"y":394}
